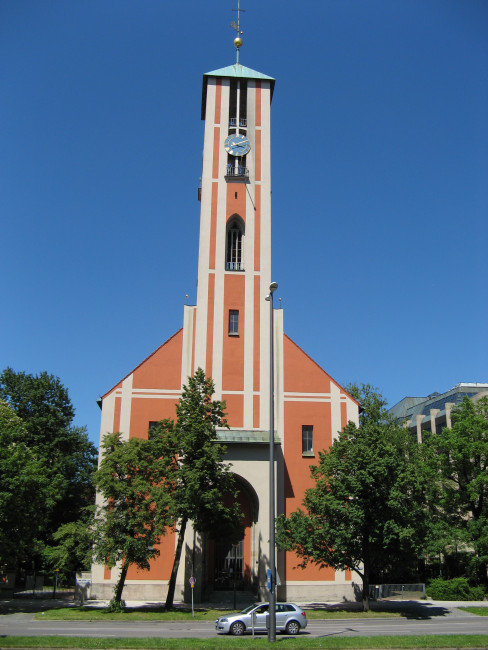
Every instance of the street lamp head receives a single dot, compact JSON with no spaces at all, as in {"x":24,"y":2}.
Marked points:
{"x":272,"y":288}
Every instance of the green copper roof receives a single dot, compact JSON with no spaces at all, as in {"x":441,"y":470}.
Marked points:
{"x":236,"y":71}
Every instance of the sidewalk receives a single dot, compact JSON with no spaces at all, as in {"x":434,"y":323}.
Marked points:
{"x":421,"y":608}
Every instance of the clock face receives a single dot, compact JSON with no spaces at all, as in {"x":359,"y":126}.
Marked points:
{"x":237,"y":144}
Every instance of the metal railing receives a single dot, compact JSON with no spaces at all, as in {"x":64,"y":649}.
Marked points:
{"x":242,"y":121}
{"x":397,"y":591}
{"x":237,"y":171}
{"x":234,"y":266}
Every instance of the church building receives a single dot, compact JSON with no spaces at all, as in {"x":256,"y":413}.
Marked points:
{"x":227,"y":333}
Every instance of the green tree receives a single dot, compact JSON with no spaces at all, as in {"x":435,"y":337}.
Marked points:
{"x":136,"y":481}
{"x":202,"y":478}
{"x":72,"y":547}
{"x":462,"y":453}
{"x":25,"y":491}
{"x":366,"y":509}
{"x":67,"y":457}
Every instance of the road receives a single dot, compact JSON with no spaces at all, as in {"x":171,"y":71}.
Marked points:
{"x":452,"y":622}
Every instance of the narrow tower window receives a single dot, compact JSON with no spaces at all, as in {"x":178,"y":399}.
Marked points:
{"x":233,"y":322}
{"x":238,"y":104}
{"x":233,"y":260}
{"x":233,"y":103}
{"x":243,"y":104}
{"x":307,"y":440}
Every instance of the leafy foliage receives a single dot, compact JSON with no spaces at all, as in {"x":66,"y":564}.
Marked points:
{"x":136,"y":479}
{"x":42,"y":402}
{"x":25,"y":491}
{"x":149,"y":485}
{"x":366,"y":509}
{"x":116,"y":606}
{"x":454,"y":589}
{"x":72,"y":545}
{"x":66,"y":458}
{"x":461,"y":454}
{"x":202,"y":478}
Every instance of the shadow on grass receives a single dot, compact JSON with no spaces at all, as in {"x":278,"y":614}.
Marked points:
{"x":25,"y":605}
{"x":411,"y":609}
{"x":407,"y":609}
{"x":39,"y":605}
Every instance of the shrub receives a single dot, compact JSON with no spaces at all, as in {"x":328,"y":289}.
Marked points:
{"x":116,"y":606}
{"x":454,"y":589}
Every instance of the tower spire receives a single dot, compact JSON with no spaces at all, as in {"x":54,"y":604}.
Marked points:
{"x":237,"y":27}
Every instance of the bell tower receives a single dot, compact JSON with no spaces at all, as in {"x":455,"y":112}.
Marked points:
{"x":227,"y":332}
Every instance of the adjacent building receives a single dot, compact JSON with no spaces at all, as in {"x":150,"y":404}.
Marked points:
{"x":433,"y":413}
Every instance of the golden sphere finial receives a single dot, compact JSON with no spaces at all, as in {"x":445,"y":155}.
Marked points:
{"x":238,"y":41}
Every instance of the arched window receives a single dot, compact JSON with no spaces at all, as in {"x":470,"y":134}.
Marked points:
{"x":234,"y":257}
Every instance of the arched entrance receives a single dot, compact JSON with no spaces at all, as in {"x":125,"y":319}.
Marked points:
{"x":229,"y":566}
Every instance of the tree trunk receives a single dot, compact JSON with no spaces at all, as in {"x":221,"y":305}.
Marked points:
{"x":366,"y":587}
{"x":119,"y":587}
{"x":172,"y":581}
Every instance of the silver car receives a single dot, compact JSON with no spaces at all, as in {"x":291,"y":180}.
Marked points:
{"x":289,"y":618}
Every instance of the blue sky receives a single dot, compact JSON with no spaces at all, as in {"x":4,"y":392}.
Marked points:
{"x":379,"y":173}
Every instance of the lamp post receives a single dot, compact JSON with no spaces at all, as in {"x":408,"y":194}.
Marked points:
{"x":272,"y":562}
{"x":235,"y":574}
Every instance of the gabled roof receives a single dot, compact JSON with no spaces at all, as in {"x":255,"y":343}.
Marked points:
{"x":236,"y":71}
{"x":119,"y":383}
{"x":321,"y":370}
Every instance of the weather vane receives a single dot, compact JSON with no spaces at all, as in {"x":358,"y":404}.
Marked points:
{"x":237,"y":27}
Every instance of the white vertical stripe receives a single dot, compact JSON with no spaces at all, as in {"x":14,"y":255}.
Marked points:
{"x":279,"y":374}
{"x":352,"y":412}
{"x":187,"y":346}
{"x":125,"y":407}
{"x":107,"y":419}
{"x":265,"y":261}
{"x":335,"y":410}
{"x":218,"y":315}
{"x":205,"y":215}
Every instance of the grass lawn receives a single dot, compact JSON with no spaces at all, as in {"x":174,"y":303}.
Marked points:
{"x":183,"y":614}
{"x":421,"y":641}
{"x":480,"y":611}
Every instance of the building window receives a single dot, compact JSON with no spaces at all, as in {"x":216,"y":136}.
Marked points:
{"x":233,"y":258}
{"x":307,"y":440}
{"x":238,"y":103}
{"x":233,"y":322}
{"x":233,"y":101}
{"x":152,"y":425}
{"x":229,"y":565}
{"x":236,"y":166}
{"x":439,"y":425}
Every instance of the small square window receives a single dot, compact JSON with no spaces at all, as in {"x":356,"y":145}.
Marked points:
{"x":307,"y":439}
{"x":233,"y":322}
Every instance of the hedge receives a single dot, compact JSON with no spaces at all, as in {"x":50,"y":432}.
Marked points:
{"x":454,"y":589}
